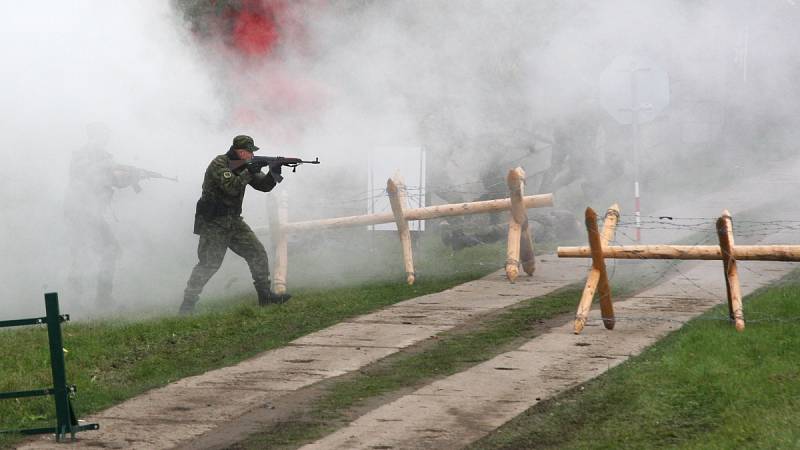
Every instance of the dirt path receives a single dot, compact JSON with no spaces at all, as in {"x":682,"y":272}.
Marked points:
{"x":457,"y":410}
{"x":180,"y":413}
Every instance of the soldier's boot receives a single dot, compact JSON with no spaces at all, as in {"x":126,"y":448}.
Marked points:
{"x":104,"y":299}
{"x":187,"y":307}
{"x":461,"y":241}
{"x":446,"y":233}
{"x":105,"y":278}
{"x":266,"y":297}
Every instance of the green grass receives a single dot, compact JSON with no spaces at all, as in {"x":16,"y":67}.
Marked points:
{"x":352,"y":257}
{"x":113,"y":360}
{"x":703,"y":387}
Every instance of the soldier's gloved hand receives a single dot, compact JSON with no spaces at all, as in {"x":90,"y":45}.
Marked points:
{"x":275,"y":172}
{"x":252,"y":168}
{"x":275,"y":168}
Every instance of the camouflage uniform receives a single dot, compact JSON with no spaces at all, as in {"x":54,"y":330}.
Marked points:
{"x":93,"y":178}
{"x":219,"y":223}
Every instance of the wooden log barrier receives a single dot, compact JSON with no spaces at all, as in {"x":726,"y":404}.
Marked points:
{"x":281,"y":246}
{"x":725,"y":234}
{"x":790,"y":253}
{"x":397,"y":198}
{"x":727,"y":252}
{"x":597,"y":279}
{"x":428,"y":212}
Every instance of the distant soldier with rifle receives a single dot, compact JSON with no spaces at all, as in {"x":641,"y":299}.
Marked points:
{"x":93,"y":178}
{"x":219,"y":223}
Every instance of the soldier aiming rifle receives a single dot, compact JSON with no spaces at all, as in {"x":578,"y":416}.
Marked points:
{"x":93,"y":178}
{"x":219,"y":223}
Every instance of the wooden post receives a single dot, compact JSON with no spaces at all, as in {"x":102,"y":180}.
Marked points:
{"x":609,"y":228}
{"x":722,"y":229}
{"x":527,"y":256}
{"x":517,"y":220}
{"x":518,"y":211}
{"x":725,"y":234}
{"x":397,"y":197}
{"x":281,"y":246}
{"x":597,"y":280}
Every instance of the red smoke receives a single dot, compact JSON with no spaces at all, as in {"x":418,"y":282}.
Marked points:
{"x":254,"y":34}
{"x":257,"y":26}
{"x":255,"y":31}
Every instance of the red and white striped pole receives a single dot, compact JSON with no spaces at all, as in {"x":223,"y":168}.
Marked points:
{"x":635,"y":129}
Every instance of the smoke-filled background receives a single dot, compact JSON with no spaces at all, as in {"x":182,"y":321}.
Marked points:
{"x":482,"y":86}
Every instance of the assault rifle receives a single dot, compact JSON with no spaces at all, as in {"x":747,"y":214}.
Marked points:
{"x":133,"y":175}
{"x":260,"y":162}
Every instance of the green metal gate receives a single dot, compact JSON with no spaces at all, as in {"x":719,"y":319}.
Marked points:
{"x":66,"y":422}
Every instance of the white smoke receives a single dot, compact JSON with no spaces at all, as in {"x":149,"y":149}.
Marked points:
{"x":474,"y":82}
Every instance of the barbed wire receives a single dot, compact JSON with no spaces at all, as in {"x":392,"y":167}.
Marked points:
{"x":672,"y":266}
{"x":458,"y":188}
{"x":743,"y":227}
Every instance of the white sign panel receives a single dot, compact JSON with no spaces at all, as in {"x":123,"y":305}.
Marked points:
{"x":632,"y":83}
{"x":385,"y":162}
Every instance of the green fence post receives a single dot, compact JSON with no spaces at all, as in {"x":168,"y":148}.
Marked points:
{"x":61,"y":393}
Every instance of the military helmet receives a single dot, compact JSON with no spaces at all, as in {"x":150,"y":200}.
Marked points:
{"x":243,"y":142}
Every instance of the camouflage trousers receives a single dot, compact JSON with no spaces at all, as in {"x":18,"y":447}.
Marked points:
{"x":94,"y":254}
{"x":216,"y":237}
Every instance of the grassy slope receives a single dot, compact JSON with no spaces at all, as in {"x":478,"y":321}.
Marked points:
{"x":703,"y":387}
{"x":112,"y":361}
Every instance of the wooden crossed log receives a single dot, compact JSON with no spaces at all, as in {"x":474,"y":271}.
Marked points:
{"x":597,"y":280}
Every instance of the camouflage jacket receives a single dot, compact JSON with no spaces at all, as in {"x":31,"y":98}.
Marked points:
{"x":223,"y":193}
{"x":93,"y":176}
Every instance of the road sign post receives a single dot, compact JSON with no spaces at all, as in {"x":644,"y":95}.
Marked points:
{"x":634,"y":91}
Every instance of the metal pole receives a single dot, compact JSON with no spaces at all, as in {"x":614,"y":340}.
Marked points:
{"x":635,"y":131}
{"x":746,"y":53}
{"x":422,"y":185}
{"x":61,"y":392}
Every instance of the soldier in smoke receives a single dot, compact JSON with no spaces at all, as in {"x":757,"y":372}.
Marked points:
{"x":462,"y":232}
{"x":483,"y":228}
{"x":93,"y":178}
{"x":550,"y":225}
{"x":219,"y":223}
